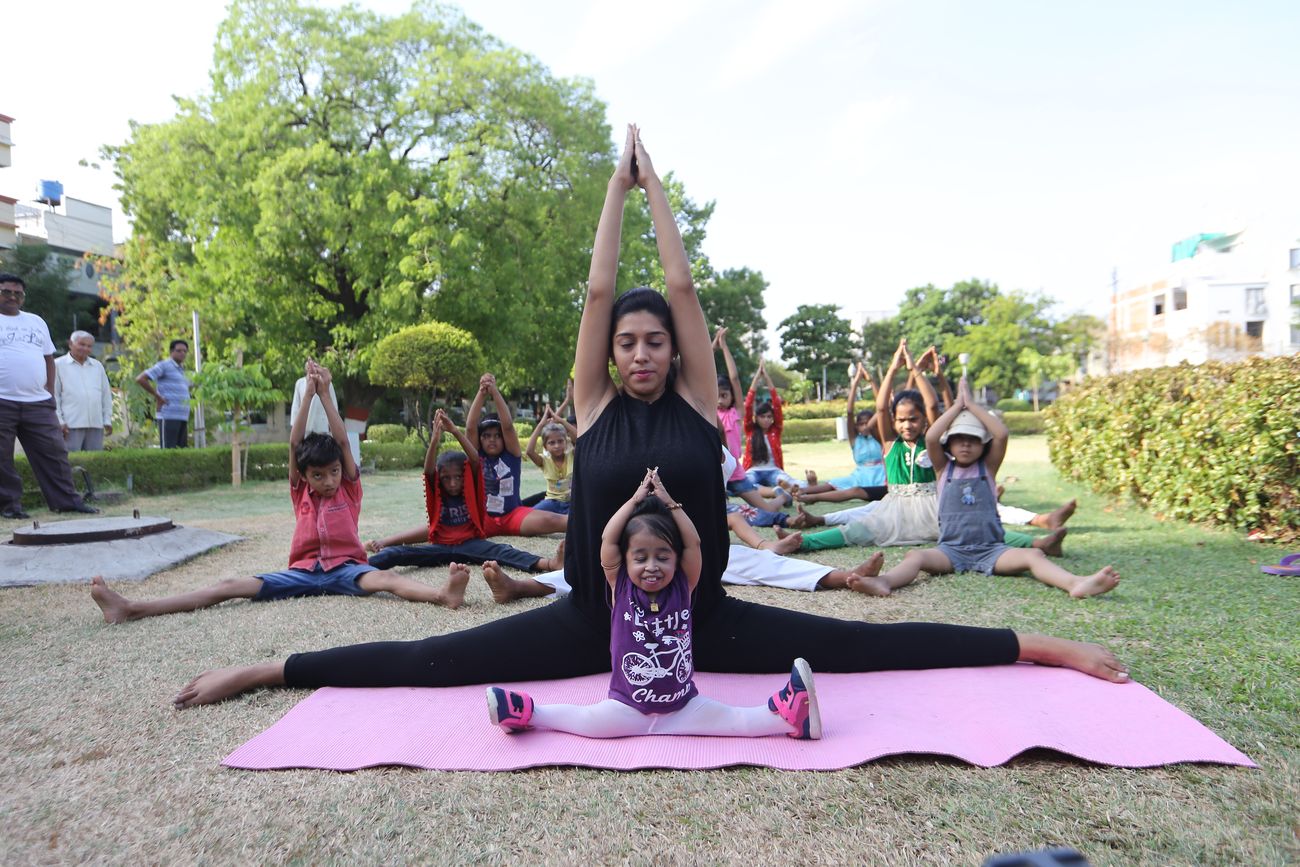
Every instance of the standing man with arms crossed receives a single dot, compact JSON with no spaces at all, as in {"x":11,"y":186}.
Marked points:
{"x":27,"y":408}
{"x":172,"y":394}
{"x":83,"y":399}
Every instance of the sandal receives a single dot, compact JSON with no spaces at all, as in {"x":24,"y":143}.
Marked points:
{"x":1290,"y":565}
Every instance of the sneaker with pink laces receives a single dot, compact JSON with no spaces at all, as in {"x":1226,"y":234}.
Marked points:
{"x":796,"y":703}
{"x":511,"y":710}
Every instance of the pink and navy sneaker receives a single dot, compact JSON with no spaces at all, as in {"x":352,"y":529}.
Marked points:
{"x":511,"y":710}
{"x":796,"y":703}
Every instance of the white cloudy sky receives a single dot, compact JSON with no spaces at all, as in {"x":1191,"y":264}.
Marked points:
{"x":854,"y":149}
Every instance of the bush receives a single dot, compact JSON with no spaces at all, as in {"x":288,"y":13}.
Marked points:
{"x":820,"y":409}
{"x":386,"y":433}
{"x":1014,"y":404}
{"x":808,"y":430}
{"x":1024,"y":422}
{"x":1215,"y":442}
{"x":168,"y":471}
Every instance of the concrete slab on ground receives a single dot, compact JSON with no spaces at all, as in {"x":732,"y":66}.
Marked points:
{"x":117,"y":560}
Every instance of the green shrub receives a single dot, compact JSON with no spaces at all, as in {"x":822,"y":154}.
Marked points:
{"x":1014,"y":404}
{"x":167,"y":471}
{"x":820,"y":409}
{"x":1215,"y":442}
{"x":386,"y":433}
{"x":1024,"y":422}
{"x":808,"y":430}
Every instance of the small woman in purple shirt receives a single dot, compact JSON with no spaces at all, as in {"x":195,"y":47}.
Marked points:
{"x":650,"y":552}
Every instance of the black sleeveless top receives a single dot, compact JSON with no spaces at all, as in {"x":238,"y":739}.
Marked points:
{"x":610,"y":460}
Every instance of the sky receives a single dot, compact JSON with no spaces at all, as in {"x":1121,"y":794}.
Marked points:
{"x":853,"y":149}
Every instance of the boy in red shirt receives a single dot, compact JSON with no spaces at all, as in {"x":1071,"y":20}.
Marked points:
{"x":458,"y":518}
{"x":326,"y":556}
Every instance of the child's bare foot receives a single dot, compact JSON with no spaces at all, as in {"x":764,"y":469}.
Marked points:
{"x":116,"y":607}
{"x":222,"y":683}
{"x":811,"y":476}
{"x":785,"y":543}
{"x":1002,"y":490}
{"x":1055,"y":519}
{"x":1081,"y":656}
{"x":373,"y":546}
{"x":552,"y":564}
{"x":453,"y":595}
{"x":870,"y":567}
{"x":872,"y":585}
{"x":504,"y":588}
{"x":1051,"y":543}
{"x":1096,"y":584}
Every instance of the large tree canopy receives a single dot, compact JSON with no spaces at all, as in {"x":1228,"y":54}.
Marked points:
{"x":816,"y":336}
{"x":349,"y":174}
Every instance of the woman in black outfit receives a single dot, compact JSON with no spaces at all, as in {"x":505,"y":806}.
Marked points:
{"x":662,"y":416}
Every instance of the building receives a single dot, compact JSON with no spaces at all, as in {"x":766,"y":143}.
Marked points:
{"x":8,"y":227}
{"x":1223,"y":297}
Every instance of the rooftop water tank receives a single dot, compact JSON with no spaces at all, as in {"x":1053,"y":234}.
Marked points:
{"x":49,"y":193}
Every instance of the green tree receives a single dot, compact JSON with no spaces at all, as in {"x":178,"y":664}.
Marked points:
{"x":1077,"y":334}
{"x":47,"y":277}
{"x":236,"y":388}
{"x":424,"y":359}
{"x":1011,"y":323}
{"x":816,"y":336}
{"x":930,"y":315}
{"x":734,"y":299}
{"x":879,"y":339}
{"x":349,"y":173}
{"x":1039,"y":368}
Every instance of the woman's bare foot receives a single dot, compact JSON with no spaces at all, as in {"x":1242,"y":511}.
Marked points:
{"x":786,"y":543}
{"x":1096,"y":584}
{"x":116,"y":607}
{"x":552,"y":564}
{"x":870,"y":567}
{"x":453,"y":595}
{"x":1081,"y":656}
{"x":222,"y":683}
{"x":1055,"y":519}
{"x":1051,"y":543}
{"x":811,"y":476}
{"x":872,"y":585}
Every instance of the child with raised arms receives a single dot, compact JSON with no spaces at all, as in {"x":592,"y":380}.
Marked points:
{"x":497,"y":445}
{"x":650,"y":552}
{"x":966,"y":447}
{"x":867,"y":481}
{"x":458,"y":520}
{"x":325,"y":556}
{"x":557,"y":437}
{"x":764,"y":423}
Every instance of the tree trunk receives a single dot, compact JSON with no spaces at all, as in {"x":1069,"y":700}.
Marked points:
{"x":236,"y":477}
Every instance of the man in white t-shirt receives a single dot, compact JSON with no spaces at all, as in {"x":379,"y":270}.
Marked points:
{"x":27,"y":408}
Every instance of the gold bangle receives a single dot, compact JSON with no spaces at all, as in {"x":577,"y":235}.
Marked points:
{"x":608,"y":568}
{"x":672,"y":506}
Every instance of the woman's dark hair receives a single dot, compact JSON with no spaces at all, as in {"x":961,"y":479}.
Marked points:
{"x":637,"y":300}
{"x":651,"y":516}
{"x":446,"y":459}
{"x":178,"y":342}
{"x":908,"y":395}
{"x":758,"y":450}
{"x":316,"y":450}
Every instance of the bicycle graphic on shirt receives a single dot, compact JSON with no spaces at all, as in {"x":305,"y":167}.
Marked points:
{"x":640,"y":669}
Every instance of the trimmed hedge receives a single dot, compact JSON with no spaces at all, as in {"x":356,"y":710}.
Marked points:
{"x":1024,"y":422}
{"x":168,"y":471}
{"x":808,"y":430}
{"x":1216,"y":442}
{"x":386,"y":433}
{"x":822,"y":409}
{"x":1014,"y":404}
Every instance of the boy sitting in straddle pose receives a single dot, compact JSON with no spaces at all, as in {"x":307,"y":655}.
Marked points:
{"x":325,"y":556}
{"x":458,"y":520}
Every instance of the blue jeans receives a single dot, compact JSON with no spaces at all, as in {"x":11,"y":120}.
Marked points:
{"x":292,"y":583}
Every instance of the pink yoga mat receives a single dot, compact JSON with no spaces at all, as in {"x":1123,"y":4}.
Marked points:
{"x":984,"y":716}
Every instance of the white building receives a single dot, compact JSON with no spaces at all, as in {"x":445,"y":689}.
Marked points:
{"x":8,"y":226}
{"x":1225,"y":296}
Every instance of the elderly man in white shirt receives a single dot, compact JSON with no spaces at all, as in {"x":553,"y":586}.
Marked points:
{"x":83,"y":399}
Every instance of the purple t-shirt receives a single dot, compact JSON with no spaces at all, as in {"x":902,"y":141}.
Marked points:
{"x":650,"y":651}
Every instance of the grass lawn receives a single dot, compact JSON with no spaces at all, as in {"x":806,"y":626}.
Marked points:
{"x":98,"y":767}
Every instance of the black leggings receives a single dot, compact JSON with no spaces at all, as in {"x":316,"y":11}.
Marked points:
{"x":559,"y":640}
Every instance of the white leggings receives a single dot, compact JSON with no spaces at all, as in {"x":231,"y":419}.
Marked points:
{"x":700,"y":716}
{"x":843,"y":517}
